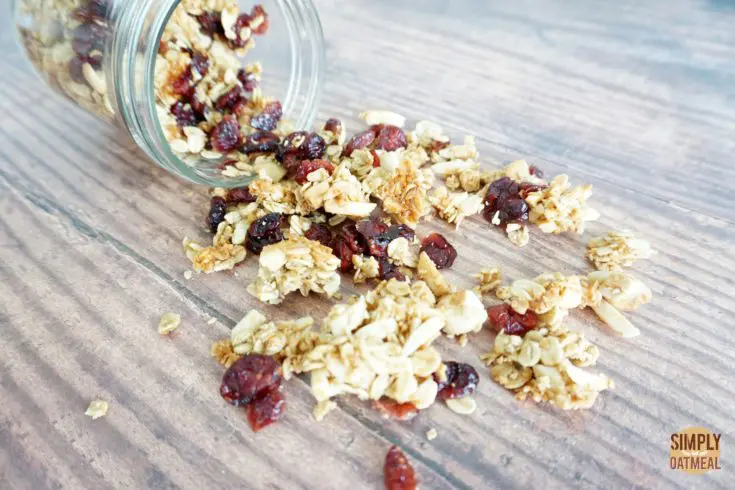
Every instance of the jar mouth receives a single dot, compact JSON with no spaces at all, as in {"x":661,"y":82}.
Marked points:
{"x":300,"y":102}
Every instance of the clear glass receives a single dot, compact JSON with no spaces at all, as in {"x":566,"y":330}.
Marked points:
{"x":114,"y":77}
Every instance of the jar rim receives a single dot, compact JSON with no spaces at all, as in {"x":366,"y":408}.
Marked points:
{"x":135,"y":88}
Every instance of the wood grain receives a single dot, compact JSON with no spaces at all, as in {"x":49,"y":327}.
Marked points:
{"x":635,"y":98}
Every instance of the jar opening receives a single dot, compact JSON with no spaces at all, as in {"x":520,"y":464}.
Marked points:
{"x":298,"y":66}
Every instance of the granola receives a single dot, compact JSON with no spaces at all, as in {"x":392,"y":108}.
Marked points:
{"x":608,"y":292}
{"x":296,"y":264}
{"x":552,"y":295}
{"x":215,"y":258}
{"x":365,"y":268}
{"x":377,"y":345}
{"x":617,"y":249}
{"x":545,"y":365}
{"x":340,"y":194}
{"x":453,"y":207}
{"x":65,"y":41}
{"x":404,"y":191}
{"x":254,"y":334}
{"x":427,"y":271}
{"x":401,"y":253}
{"x":207,"y":101}
{"x":559,"y":208}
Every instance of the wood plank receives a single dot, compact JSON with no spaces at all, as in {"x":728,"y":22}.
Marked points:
{"x":93,"y":233}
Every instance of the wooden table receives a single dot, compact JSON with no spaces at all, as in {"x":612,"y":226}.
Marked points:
{"x":636,"y":98}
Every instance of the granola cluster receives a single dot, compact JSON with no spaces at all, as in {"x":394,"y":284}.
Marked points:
{"x":617,"y":249}
{"x":510,"y":197}
{"x":376,"y":346}
{"x":559,"y":208}
{"x":546,"y":364}
{"x":296,"y":264}
{"x":552,"y":295}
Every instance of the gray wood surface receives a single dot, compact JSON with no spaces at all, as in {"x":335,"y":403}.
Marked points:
{"x":636,"y":98}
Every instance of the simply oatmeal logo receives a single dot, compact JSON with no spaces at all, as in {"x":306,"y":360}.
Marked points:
{"x":695,"y":450}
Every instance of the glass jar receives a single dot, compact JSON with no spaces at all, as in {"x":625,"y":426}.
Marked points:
{"x":101,"y":54}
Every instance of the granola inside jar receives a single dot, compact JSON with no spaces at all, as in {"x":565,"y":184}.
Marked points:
{"x":126,"y":61}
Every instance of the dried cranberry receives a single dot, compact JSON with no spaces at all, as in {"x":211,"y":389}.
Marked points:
{"x":345,"y":245}
{"x":358,"y":142}
{"x":240,"y":195}
{"x":76,"y":71}
{"x":239,"y":106}
{"x":249,"y":377}
{"x":261,"y":142}
{"x":394,"y":410}
{"x":504,"y":317}
{"x":217,"y":211}
{"x":184,"y":114}
{"x":333,"y":125}
{"x":264,"y":231}
{"x":462,"y":380}
{"x":349,"y":231}
{"x":319,"y":233}
{"x":390,"y":138}
{"x":200,"y":64}
{"x":198,"y":107}
{"x":248,"y":80}
{"x":266,"y":409}
{"x":534,"y":170}
{"x":268,"y":119}
{"x":376,"y":235}
{"x":439,"y":250}
{"x":226,"y":135}
{"x":504,"y":203}
{"x":525,"y":188}
{"x":227,"y":100}
{"x":403,"y":231}
{"x":242,"y":31}
{"x":87,"y":38}
{"x":291,"y":164}
{"x":259,"y":22}
{"x":399,"y":474}
{"x":211,"y":23}
{"x":341,"y":249}
{"x":308,"y":166}
{"x":437,"y":146}
{"x":302,"y":145}
{"x":373,"y":236}
{"x":387,"y":270}
{"x":184,"y":84}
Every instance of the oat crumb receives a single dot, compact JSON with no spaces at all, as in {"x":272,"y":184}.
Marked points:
{"x":489,"y":279}
{"x":97,"y":409}
{"x":322,"y":408}
{"x":168,"y":323}
{"x":431,"y":434}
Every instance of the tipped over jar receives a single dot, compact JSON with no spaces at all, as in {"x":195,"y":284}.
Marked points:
{"x":196,"y":83}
